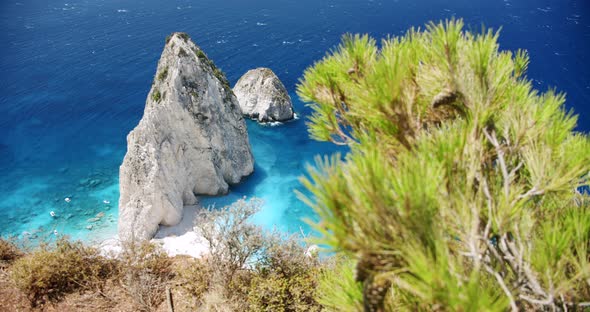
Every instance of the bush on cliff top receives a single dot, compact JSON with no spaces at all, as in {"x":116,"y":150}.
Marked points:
{"x":462,"y":187}
{"x":249,"y":269}
{"x":145,"y":270}
{"x":51,"y":272}
{"x":9,"y":252}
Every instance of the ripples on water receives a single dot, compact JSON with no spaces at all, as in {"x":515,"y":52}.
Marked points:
{"x":75,"y":75}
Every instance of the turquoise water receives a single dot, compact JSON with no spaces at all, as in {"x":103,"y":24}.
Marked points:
{"x":74,"y":77}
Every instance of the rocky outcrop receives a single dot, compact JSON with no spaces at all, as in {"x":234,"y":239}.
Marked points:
{"x":262,"y":96}
{"x":192,"y":140}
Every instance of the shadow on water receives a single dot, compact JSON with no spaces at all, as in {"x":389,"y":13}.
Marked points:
{"x":246,"y":188}
{"x":190,"y":213}
{"x":248,"y":184}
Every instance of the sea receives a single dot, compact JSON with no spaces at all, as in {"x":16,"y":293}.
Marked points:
{"x":75,"y":74}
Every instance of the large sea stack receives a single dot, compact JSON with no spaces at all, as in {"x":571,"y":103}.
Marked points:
{"x":263,"y":96}
{"x":192,"y":140}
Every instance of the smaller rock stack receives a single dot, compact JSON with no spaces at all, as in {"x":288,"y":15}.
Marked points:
{"x":263,"y":97}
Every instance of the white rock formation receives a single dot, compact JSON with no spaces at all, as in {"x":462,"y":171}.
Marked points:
{"x":192,"y":140}
{"x":262,"y":96}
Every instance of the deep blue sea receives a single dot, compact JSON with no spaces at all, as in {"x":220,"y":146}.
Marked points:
{"x":74,"y":76}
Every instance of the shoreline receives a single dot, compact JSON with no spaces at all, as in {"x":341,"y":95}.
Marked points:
{"x":176,"y":240}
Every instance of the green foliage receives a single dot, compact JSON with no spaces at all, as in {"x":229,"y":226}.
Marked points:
{"x":163,"y":74}
{"x":196,"y":279}
{"x":286,"y":277}
{"x":337,"y":288}
{"x":201,"y":55}
{"x":156,"y":96}
{"x":218,"y":73}
{"x":276,"y":292}
{"x":51,"y":272}
{"x":460,"y":188}
{"x":184,"y":36}
{"x":247,"y":267}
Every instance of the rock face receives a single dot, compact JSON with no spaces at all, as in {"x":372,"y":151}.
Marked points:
{"x":191,"y":140}
{"x":262,"y":96}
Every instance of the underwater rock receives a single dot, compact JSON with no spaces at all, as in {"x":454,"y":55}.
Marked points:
{"x":192,"y":140}
{"x":263,"y":96}
{"x":94,"y":183}
{"x":90,"y":182}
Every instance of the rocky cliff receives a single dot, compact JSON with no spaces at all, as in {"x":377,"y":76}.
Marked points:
{"x":192,"y":140}
{"x":262,"y":96}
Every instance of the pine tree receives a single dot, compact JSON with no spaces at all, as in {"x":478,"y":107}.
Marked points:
{"x":465,"y":189}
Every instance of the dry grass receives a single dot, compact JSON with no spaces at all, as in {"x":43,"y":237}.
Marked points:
{"x":9,"y":252}
{"x":49,"y":273}
{"x":69,"y":276}
{"x":248,"y":270}
{"x":145,"y":272}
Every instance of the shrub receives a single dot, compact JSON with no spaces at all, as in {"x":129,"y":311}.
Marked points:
{"x":234,"y":242}
{"x":184,"y":36}
{"x":218,"y":73}
{"x":337,"y":288}
{"x":163,"y":74}
{"x":9,"y":252}
{"x":50,"y":272}
{"x":286,"y":277}
{"x":201,"y":55}
{"x":461,"y":190}
{"x":196,"y":279}
{"x":277,"y":292}
{"x":248,"y":267}
{"x":286,"y":256}
{"x":145,"y":271}
{"x":156,"y":96}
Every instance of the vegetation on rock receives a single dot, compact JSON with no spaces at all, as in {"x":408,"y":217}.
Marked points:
{"x":218,"y":73}
{"x":156,"y":96}
{"x":184,"y":36}
{"x":464,"y":189}
{"x":163,"y":74}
